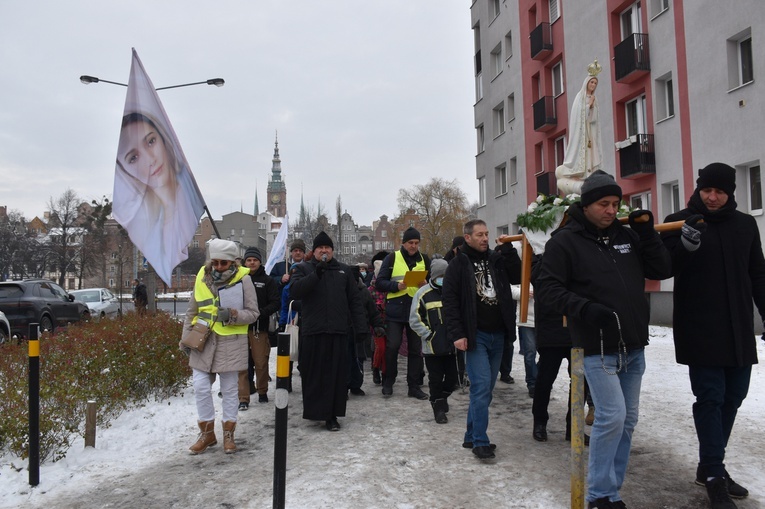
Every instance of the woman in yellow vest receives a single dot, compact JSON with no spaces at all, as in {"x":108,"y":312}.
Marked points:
{"x":225,"y":352}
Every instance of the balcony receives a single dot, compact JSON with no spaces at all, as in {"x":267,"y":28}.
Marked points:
{"x":546,"y":184}
{"x":544,"y":114}
{"x":637,"y":156}
{"x":632,"y":58}
{"x":541,"y":41}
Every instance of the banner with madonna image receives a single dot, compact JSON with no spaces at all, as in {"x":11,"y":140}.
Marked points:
{"x":156,"y":198}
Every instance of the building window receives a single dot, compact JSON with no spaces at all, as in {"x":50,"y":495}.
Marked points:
{"x":511,"y":107}
{"x":665,"y":99}
{"x":513,"y":171}
{"x":554,"y":10}
{"x":671,"y":197}
{"x":641,"y":201}
{"x":508,"y":45}
{"x":353,"y":250}
{"x":111,"y":283}
{"x":480,"y":138}
{"x":560,"y":150}
{"x":345,"y":237}
{"x":635,"y":115}
{"x":755,"y":189}
{"x":740,"y":58}
{"x":499,"y":119}
{"x":557,"y":79}
{"x":493,"y":8}
{"x":503,"y":230}
{"x":195,"y":243}
{"x":353,"y":237}
{"x":496,"y":61}
{"x":114,"y":256}
{"x":631,"y":20}
{"x":112,"y":269}
{"x":500,"y":180}
{"x":384,"y":233}
{"x":346,"y":250}
{"x":658,"y":6}
{"x":481,"y":191}
{"x":477,"y":63}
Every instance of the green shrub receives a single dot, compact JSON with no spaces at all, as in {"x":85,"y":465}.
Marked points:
{"x":119,"y":364}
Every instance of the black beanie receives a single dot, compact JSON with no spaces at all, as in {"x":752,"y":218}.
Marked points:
{"x":717,"y":175}
{"x":599,"y":185}
{"x":411,"y":234}
{"x":322,"y":239}
{"x":253,"y":252}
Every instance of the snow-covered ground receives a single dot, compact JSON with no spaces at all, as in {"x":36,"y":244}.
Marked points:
{"x":391,"y":454}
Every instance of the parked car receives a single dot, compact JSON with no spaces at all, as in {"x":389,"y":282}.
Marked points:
{"x":101,"y":302}
{"x":5,"y":329}
{"x":39,"y":301}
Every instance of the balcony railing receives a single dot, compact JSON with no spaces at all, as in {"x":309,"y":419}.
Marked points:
{"x":639,"y":157}
{"x":632,"y":58}
{"x":541,"y":41}
{"x":546,"y":183}
{"x":544,"y":114}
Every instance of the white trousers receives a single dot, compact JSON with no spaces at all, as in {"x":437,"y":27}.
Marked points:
{"x":203,"y":394}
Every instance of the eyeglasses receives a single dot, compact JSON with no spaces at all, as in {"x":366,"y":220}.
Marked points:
{"x":221,"y":263}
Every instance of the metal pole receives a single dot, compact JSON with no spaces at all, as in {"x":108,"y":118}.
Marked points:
{"x":34,"y":404}
{"x":577,"y":428}
{"x":282,"y":403}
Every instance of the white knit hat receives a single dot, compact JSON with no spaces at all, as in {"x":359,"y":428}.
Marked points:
{"x":223,"y":250}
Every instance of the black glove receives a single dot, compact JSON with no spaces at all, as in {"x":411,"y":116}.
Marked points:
{"x":691,"y":232}
{"x":641,"y":222}
{"x":598,"y":315}
{"x":379,"y":332}
{"x":224,"y":315}
{"x":321,"y":267}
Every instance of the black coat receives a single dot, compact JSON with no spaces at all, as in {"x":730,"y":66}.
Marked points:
{"x":578,"y":269}
{"x":269,"y":299}
{"x":548,"y":324}
{"x":330,"y":303}
{"x":459,"y":293}
{"x":715,"y":287}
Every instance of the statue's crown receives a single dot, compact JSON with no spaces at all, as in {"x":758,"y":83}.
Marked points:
{"x":594,"y":68}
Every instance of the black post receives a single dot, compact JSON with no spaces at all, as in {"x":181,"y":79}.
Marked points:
{"x":34,"y":404}
{"x":282,"y":403}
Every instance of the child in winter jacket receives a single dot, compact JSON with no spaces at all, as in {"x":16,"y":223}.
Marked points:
{"x":426,"y":319}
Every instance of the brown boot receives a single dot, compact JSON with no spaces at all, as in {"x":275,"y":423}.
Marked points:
{"x":590,"y":418}
{"x":206,"y":437}
{"x":228,"y":437}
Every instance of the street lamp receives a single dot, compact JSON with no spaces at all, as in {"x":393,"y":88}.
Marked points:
{"x":218,"y":82}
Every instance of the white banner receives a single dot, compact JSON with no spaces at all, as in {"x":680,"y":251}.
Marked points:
{"x":279,"y":249}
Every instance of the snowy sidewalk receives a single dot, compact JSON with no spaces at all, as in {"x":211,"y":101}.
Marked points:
{"x":391,"y":454}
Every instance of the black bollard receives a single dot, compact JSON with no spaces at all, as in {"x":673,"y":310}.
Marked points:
{"x":281,"y":402}
{"x":34,"y":404}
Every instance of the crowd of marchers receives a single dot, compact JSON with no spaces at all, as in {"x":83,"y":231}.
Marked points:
{"x":455,"y":317}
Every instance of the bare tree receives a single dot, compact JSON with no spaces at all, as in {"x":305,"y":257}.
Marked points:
{"x":94,"y":255}
{"x":65,"y":232}
{"x":442,"y":208}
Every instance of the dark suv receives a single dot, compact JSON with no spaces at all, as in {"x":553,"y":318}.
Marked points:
{"x":39,"y":301}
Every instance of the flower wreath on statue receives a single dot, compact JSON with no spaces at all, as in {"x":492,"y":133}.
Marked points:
{"x":546,"y":214}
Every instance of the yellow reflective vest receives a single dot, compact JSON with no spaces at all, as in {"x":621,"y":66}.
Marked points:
{"x":207,"y":304}
{"x":400,"y":268}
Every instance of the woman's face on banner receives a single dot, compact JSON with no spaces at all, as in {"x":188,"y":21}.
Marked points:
{"x":143,"y":154}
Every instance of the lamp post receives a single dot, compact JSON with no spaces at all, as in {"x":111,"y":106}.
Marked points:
{"x":218,"y":82}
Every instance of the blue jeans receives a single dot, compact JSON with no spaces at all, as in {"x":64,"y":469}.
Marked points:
{"x":719,"y":393}
{"x":616,"y":398}
{"x":527,"y":336}
{"x":482,"y":364}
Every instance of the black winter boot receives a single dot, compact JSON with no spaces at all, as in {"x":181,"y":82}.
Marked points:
{"x":439,"y":411}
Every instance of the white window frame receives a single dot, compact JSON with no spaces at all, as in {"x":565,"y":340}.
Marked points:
{"x":498,"y":114}
{"x":481,"y":191}
{"x":494,"y":8}
{"x":639,"y":104}
{"x":559,"y":157}
{"x":500,"y":180}
{"x":665,"y":97}
{"x":630,"y":20}
{"x":641,"y":200}
{"x":658,"y":7}
{"x":513,"y":172}
{"x":510,"y":108}
{"x":745,"y":58}
{"x":554,"y":10}
{"x":508,"y":45}
{"x":503,"y":230}
{"x":556,"y":76}
{"x":480,"y":138}
{"x":497,"y":62}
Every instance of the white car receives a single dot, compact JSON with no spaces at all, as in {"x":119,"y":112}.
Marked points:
{"x":101,"y":302}
{"x":5,"y":329}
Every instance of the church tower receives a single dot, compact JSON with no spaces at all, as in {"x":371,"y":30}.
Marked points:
{"x":276,"y":193}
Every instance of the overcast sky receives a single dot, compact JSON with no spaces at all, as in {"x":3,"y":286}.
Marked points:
{"x":367,"y":97}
